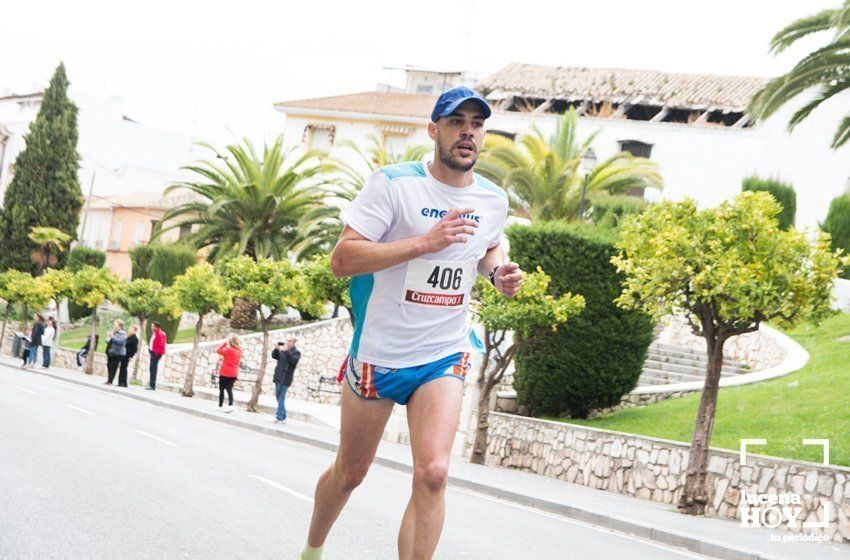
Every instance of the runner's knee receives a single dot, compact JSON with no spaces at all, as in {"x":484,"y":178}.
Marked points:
{"x":350,"y":477}
{"x":432,"y":476}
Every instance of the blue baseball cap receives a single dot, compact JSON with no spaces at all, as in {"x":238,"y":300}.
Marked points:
{"x":450,"y":100}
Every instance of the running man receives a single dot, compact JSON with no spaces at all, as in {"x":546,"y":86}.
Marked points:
{"x":415,"y":239}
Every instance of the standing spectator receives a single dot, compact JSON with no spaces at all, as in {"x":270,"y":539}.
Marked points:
{"x":81,"y":355}
{"x":26,"y":341}
{"x":287,"y":356}
{"x":157,"y":351}
{"x":132,"y":346}
{"x":35,"y":338}
{"x":116,"y":349}
{"x":231,"y":355}
{"x":47,"y":342}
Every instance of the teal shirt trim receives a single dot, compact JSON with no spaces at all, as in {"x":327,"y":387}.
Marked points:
{"x":490,"y":186}
{"x":405,"y":169}
{"x":360,"y":291}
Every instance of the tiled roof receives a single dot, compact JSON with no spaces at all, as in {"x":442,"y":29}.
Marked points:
{"x":686,"y":91}
{"x":373,"y":102}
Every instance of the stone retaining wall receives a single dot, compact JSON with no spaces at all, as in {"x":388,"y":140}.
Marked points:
{"x":323,"y":346}
{"x":756,"y":349}
{"x":654,"y":469}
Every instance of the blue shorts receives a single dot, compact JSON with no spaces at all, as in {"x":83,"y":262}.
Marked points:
{"x":369,"y":381}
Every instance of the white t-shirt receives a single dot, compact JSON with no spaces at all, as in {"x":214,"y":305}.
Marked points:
{"x":416,"y":312}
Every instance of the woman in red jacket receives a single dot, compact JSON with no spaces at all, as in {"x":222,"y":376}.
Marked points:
{"x":231,"y":355}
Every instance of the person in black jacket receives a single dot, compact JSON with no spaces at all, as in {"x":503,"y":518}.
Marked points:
{"x":287,"y":356}
{"x":35,"y":339}
{"x":132,"y":346}
{"x":81,"y":355}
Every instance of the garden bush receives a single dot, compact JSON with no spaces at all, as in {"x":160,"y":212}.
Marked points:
{"x":78,"y":257}
{"x":782,"y":192}
{"x":597,"y":357}
{"x":162,"y":262}
{"x":837,"y":224}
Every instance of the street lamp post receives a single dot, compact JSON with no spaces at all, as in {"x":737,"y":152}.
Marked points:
{"x":588,"y":162}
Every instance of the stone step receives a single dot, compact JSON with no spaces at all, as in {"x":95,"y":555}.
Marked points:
{"x":685,"y":353}
{"x":658,"y":377}
{"x":692,"y":362}
{"x":694,"y":370}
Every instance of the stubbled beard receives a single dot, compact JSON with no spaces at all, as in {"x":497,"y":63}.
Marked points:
{"x":451,"y":163}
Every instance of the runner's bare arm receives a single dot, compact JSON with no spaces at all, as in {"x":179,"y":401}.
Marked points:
{"x":354,"y":254}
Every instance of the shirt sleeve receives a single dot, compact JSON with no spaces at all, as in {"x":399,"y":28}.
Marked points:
{"x":496,"y":239}
{"x":372,"y":212}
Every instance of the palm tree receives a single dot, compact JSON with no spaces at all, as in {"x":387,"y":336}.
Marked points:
{"x":543,"y":179}
{"x":826,"y":68}
{"x":347,"y":184}
{"x":51,"y":241}
{"x":245,"y":203}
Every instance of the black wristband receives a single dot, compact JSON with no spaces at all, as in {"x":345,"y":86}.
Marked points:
{"x":492,"y":276}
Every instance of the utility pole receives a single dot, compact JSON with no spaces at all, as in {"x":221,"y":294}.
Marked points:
{"x":88,"y":203}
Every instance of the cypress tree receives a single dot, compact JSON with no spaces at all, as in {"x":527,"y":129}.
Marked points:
{"x":45,"y":190}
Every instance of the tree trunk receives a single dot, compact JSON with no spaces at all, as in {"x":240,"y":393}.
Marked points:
{"x":243,"y":315}
{"x":264,"y":360}
{"x":695,"y":495}
{"x":479,"y":447}
{"x":5,"y":320}
{"x":58,"y":323}
{"x":26,"y":313}
{"x":193,"y":360}
{"x":139,"y":352}
{"x":89,"y":369}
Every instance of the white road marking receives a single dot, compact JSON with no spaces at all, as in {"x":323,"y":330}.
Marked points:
{"x":282,"y":488}
{"x":683,"y":552}
{"x":157,"y":438}
{"x":27,"y":391}
{"x":77,"y":408}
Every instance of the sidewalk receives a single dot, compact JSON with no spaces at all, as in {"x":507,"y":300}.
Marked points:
{"x":317,"y":424}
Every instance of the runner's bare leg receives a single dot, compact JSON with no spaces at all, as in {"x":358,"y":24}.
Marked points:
{"x":433,"y":413}
{"x":363,"y":424}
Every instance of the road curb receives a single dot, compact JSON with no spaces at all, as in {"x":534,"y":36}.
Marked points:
{"x":713,"y":549}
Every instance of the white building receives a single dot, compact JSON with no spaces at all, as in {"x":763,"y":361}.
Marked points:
{"x":123,"y":155}
{"x":695,"y":126}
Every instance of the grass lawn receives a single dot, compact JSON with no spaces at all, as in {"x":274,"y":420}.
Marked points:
{"x":75,"y":338}
{"x":817,"y":407}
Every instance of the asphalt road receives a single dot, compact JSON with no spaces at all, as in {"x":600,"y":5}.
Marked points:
{"x":87,"y":474}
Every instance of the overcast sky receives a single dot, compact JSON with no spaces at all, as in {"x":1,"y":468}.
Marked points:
{"x":209,"y":67}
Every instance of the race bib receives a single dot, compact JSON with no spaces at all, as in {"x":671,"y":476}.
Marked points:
{"x":435,"y":283}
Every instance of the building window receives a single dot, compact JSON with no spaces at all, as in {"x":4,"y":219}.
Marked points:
{"x":116,"y":236}
{"x":140,"y":231}
{"x":156,"y":226}
{"x":319,"y":137}
{"x":424,"y":89}
{"x":636,"y":148}
{"x":185,"y":230}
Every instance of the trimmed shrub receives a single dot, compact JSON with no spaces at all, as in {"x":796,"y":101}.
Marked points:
{"x":597,"y":357}
{"x":608,"y":210}
{"x":782,"y":192}
{"x":837,"y":224}
{"x":163,"y":263}
{"x":78,"y":257}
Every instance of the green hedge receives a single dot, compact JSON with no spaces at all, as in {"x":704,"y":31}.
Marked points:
{"x":597,"y":357}
{"x":607,"y":211}
{"x":78,"y":257}
{"x":837,"y":224}
{"x":782,"y":192}
{"x":163,"y":263}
